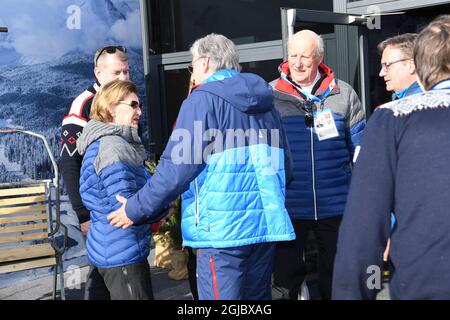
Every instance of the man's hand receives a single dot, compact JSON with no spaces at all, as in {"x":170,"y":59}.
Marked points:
{"x":85,"y":227}
{"x":119,"y":217}
{"x":386,"y":250}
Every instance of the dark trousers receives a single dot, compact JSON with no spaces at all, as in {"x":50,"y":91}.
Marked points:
{"x":238,"y":273}
{"x":95,"y":286}
{"x":130,"y":282}
{"x":192,"y":272}
{"x":289,"y":265}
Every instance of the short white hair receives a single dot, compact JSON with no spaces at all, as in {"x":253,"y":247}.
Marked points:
{"x":320,"y":46}
{"x":220,"y":50}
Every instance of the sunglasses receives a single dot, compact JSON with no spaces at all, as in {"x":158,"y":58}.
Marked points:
{"x":134,"y":104}
{"x":190,"y":66}
{"x":110,"y":50}
{"x":309,"y":117}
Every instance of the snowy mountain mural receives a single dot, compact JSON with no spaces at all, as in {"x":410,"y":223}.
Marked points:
{"x":46,"y":60}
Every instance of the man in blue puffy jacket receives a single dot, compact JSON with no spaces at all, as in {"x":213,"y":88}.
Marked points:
{"x":324,"y":120}
{"x":229,"y":158}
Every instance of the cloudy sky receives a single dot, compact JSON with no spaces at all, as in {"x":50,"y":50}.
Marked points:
{"x":41,"y":31}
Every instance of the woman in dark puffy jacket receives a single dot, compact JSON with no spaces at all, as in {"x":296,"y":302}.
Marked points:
{"x":113,"y":163}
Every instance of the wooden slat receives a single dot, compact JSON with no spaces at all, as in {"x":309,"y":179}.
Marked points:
{"x":24,"y":227}
{"x":26,"y":252}
{"x":27,"y":218}
{"x":21,"y":191}
{"x":22,"y":200}
{"x":23,"y":209}
{"x":28,"y":265}
{"x":24,"y":237}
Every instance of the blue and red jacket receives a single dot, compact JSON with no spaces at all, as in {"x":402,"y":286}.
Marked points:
{"x":234,"y":196}
{"x":321,"y":169}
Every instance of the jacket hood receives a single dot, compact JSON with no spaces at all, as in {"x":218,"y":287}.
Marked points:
{"x":95,"y":130}
{"x":246,"y":92}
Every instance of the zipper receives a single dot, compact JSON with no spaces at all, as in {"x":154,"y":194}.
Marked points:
{"x":197,"y":218}
{"x":313,"y":172}
{"x":127,"y":280}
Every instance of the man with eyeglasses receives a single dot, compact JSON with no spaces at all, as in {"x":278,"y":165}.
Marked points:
{"x":111,"y":63}
{"x":324,"y":120}
{"x":397,"y":65}
{"x":399,"y":73}
{"x":403,"y":167}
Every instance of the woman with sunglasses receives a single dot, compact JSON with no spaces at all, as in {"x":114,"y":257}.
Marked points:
{"x":113,"y":163}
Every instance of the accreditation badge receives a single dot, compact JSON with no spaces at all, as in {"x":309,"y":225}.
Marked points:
{"x":324,"y":125}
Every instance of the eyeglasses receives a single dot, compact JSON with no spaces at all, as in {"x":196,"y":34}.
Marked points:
{"x":309,"y":117}
{"x":386,"y":65}
{"x":110,"y":50}
{"x":309,"y":120}
{"x":190,"y":66}
{"x":134,"y":104}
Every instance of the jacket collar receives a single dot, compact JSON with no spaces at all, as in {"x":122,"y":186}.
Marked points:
{"x":286,"y":85}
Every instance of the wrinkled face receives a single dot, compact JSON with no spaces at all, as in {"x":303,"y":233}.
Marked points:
{"x":303,"y":61}
{"x":111,"y":68}
{"x":397,"y":70}
{"x":128,"y":111}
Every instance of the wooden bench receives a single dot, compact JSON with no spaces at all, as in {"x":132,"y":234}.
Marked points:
{"x":28,"y":229}
{"x":30,"y":221}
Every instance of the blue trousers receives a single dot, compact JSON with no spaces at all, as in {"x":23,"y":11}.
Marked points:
{"x":238,"y":273}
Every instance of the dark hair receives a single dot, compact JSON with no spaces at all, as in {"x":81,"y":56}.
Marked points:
{"x":404,"y":42}
{"x":432,"y":52}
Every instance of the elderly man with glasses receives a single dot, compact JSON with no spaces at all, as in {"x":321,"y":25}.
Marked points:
{"x":229,"y":158}
{"x":111,"y":63}
{"x":324,"y":120}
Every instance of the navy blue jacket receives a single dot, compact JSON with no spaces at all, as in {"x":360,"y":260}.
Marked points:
{"x":403,"y":166}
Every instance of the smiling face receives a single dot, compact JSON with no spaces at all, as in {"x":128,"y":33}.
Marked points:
{"x":127,"y":113}
{"x":304,"y":59}
{"x":398,"y":71}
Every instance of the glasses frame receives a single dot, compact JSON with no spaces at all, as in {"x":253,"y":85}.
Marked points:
{"x":387,"y":65}
{"x":133,"y":104}
{"x":110,"y":50}
{"x":190,"y":66}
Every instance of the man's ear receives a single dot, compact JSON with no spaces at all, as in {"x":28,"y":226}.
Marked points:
{"x":205,"y":65}
{"x":97,"y":73}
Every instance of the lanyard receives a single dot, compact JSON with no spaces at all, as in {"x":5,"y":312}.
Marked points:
{"x":308,"y":95}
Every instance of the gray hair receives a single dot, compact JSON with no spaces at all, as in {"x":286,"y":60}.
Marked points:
{"x":320,"y":46}
{"x":220,"y":50}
